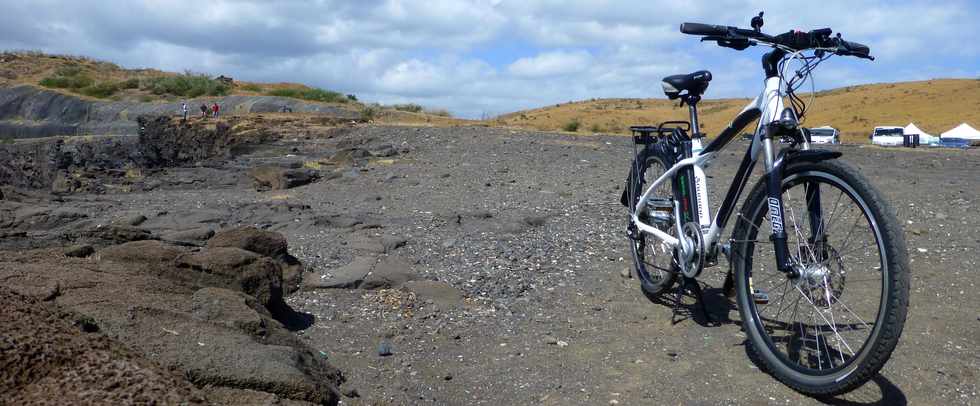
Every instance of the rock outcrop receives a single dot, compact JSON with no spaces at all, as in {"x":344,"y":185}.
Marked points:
{"x":30,"y":112}
{"x":215,"y":313}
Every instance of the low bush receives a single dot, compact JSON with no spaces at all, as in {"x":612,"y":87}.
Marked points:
{"x":68,"y":70}
{"x":369,"y":113}
{"x":409,"y":107}
{"x":439,"y":112}
{"x":67,"y":82}
{"x":572,"y":126}
{"x":312,"y":94}
{"x":131,"y":83}
{"x":187,"y":84}
{"x":101,"y":90}
{"x":251,"y":87}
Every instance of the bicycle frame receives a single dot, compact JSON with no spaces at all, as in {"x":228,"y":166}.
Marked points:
{"x":767,"y":106}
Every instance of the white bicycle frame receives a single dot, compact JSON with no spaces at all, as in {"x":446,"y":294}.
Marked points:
{"x":770,"y":105}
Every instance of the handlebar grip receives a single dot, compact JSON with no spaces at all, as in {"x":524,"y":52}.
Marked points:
{"x":703,"y":29}
{"x":856,"y":49}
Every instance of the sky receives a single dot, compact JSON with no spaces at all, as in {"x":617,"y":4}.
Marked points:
{"x":484,"y":58}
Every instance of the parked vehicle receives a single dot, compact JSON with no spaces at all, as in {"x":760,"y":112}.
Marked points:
{"x":824,"y":135}
{"x":888,"y":136}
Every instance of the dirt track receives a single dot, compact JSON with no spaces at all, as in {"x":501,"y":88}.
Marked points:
{"x":524,"y":230}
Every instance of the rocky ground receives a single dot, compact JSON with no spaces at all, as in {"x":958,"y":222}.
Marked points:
{"x":464,"y":265}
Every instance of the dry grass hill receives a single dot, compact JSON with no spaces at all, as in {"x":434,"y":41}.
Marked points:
{"x":100,"y":80}
{"x":934,"y":105}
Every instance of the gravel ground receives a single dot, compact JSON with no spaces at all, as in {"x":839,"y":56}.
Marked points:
{"x":528,"y":228}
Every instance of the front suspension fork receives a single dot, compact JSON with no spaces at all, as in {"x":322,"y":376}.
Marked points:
{"x":774,"y":200}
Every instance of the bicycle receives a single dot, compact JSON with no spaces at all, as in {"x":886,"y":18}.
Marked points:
{"x":824,"y":299}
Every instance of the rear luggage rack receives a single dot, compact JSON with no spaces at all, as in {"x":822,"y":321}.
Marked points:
{"x":645,"y":135}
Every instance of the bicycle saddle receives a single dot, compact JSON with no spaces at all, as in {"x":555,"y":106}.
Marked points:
{"x":694,"y":83}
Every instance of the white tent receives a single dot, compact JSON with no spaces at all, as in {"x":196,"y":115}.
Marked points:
{"x":924,"y":138}
{"x":963,"y":131}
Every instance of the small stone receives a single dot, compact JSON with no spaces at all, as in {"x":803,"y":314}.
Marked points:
{"x":613,"y":402}
{"x":562,"y":343}
{"x":384,"y":349}
{"x":550,"y":340}
{"x":448,"y":377}
{"x":79,"y":251}
{"x":923,"y":250}
{"x":449,"y":243}
{"x":350,"y":392}
{"x":625,"y":273}
{"x":941,"y":216}
{"x":535,"y":221}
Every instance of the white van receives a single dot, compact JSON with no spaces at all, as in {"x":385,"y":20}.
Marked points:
{"x":888,"y":136}
{"x":824,"y":135}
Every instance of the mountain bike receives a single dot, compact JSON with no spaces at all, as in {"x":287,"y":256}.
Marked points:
{"x":817,"y":260}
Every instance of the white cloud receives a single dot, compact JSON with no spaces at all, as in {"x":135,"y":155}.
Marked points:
{"x":554,"y":63}
{"x":488,"y":56}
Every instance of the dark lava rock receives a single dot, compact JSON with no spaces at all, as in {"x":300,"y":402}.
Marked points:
{"x":391,"y":243}
{"x":267,"y":243}
{"x":278,"y":178}
{"x":349,"y":276}
{"x":79,"y":251}
{"x":146,"y":253}
{"x":116,"y":234}
{"x":194,"y":235}
{"x":253,"y":274}
{"x":535,"y":220}
{"x":439,"y":292}
{"x":230,"y":308}
{"x":133,"y":220}
{"x":391,"y":272}
{"x":48,"y":361}
{"x":248,"y":238}
{"x":384,"y":151}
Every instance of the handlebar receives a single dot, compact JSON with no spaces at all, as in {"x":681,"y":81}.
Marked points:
{"x":740,"y":38}
{"x":704,"y":29}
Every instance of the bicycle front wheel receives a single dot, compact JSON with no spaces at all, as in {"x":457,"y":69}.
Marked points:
{"x":831,"y":326}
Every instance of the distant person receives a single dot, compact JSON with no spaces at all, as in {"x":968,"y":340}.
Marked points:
{"x":215,"y":109}
{"x":183,"y":109}
{"x":204,"y":111}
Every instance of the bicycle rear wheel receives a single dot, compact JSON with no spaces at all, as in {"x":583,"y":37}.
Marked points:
{"x":653,"y":261}
{"x":829,"y":329}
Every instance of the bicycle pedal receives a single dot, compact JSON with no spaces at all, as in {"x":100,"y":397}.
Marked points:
{"x":760,"y":296}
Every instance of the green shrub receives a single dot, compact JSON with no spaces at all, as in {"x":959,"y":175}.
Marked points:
{"x":409,"y":107}
{"x":572,"y":126}
{"x":67,"y":82}
{"x":439,"y":112}
{"x":351,"y":97}
{"x":595,"y":128}
{"x":101,"y":90}
{"x":369,"y":113}
{"x":187,"y":84}
{"x":313,"y":94}
{"x":68,"y":70}
{"x":131,"y":83}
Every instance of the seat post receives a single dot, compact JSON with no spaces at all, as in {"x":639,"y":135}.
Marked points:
{"x":692,"y":103}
